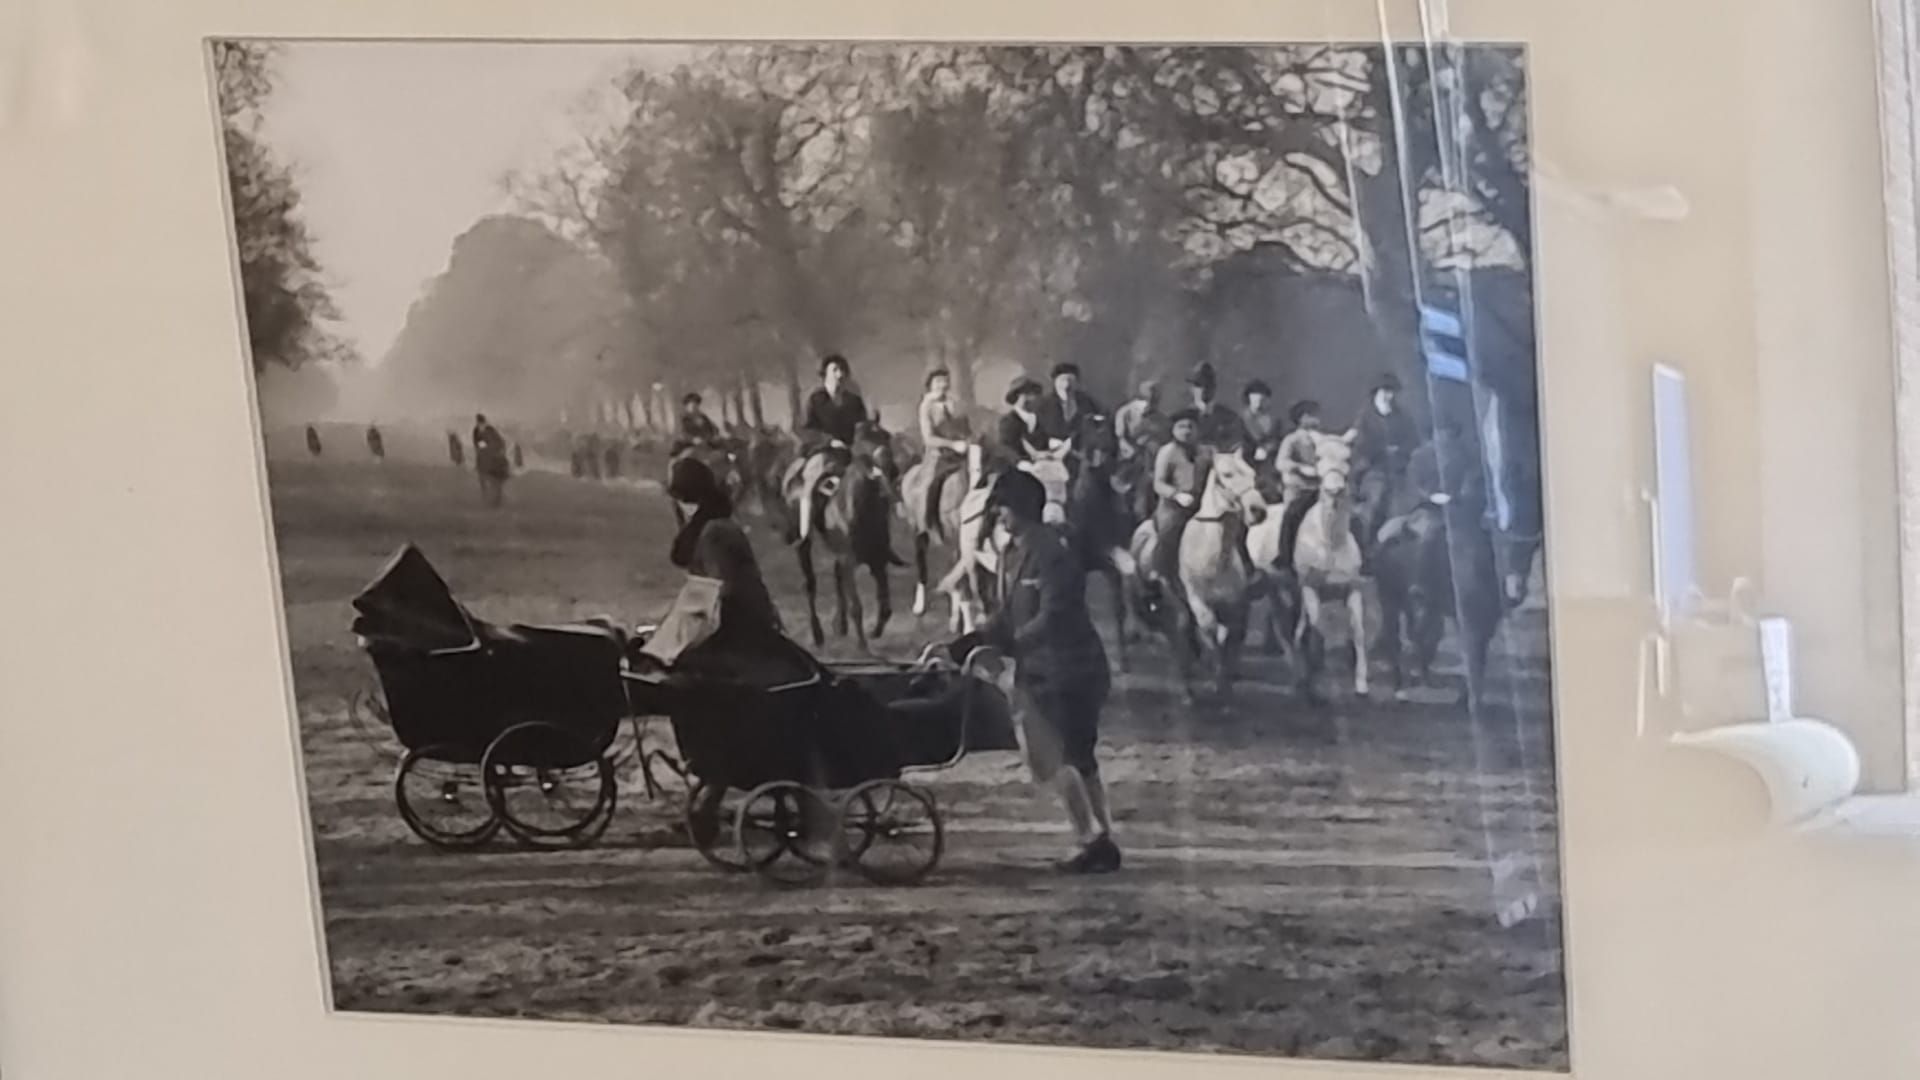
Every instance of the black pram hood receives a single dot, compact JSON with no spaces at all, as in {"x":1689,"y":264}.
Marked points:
{"x":408,"y":605}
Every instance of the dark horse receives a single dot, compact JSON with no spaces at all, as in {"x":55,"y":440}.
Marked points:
{"x":1100,"y":522}
{"x":1437,"y":564}
{"x":852,"y":523}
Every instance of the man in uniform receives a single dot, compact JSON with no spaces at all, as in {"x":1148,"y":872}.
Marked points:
{"x":1060,"y":667}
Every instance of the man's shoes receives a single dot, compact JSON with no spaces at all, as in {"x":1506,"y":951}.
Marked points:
{"x":1102,"y":856}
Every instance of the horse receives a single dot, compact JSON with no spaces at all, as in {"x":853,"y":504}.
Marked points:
{"x":1214,"y":582}
{"x":1327,"y":564}
{"x":849,"y":516}
{"x":768,"y":455}
{"x":1099,"y":526}
{"x":960,"y":517}
{"x":1436,"y":564}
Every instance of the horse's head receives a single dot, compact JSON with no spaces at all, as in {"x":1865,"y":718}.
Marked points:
{"x":1233,"y":487}
{"x":1333,"y":461}
{"x":1051,"y":469}
{"x":1099,"y":444}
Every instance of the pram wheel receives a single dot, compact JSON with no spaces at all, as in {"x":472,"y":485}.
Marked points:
{"x":713,"y":826}
{"x":891,"y":831}
{"x":443,"y":802}
{"x":547,"y":787}
{"x":787,"y":833}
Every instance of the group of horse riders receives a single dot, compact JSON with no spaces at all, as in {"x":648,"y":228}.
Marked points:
{"x":1165,"y":456}
{"x":1174,"y":452}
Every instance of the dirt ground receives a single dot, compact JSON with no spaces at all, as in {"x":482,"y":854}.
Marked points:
{"x":1319,"y":883}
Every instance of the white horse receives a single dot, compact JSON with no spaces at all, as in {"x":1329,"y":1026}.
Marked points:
{"x":978,"y":544}
{"x":961,"y":510}
{"x":1051,"y":469}
{"x":1214,"y":582}
{"x":1327,"y":563}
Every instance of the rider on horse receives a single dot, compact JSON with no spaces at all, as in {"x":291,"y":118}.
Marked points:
{"x":1384,"y":440}
{"x":1067,"y":411}
{"x":1219,"y":428}
{"x":1299,"y":460}
{"x":696,"y":428}
{"x":1021,"y":433}
{"x":1139,"y":424}
{"x":1178,"y":471}
{"x":946,"y":434}
{"x":1263,"y":427}
{"x":828,"y":431}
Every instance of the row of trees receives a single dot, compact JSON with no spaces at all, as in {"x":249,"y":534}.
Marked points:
{"x":285,"y":297}
{"x":762,"y":205}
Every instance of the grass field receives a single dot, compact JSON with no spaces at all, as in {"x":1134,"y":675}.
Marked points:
{"x":1304,"y":882}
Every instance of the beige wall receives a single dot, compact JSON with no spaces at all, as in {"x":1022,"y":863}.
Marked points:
{"x":155,"y":913}
{"x":1771,"y":294}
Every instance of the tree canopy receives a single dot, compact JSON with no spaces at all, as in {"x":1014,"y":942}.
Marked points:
{"x":966,"y":205}
{"x":284,"y":295}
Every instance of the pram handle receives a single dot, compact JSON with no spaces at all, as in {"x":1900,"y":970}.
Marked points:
{"x":968,"y":668}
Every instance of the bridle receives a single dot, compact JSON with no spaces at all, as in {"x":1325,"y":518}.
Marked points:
{"x":1235,"y":503}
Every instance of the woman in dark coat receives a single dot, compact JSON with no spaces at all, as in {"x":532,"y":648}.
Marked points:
{"x":749,"y":645}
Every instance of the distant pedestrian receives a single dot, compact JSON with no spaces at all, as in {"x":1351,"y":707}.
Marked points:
{"x":313,"y":441}
{"x":376,"y":445}
{"x":519,"y":459}
{"x":455,"y":452}
{"x":490,"y":461}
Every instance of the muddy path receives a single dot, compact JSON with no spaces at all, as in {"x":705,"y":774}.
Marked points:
{"x":1313,"y":882}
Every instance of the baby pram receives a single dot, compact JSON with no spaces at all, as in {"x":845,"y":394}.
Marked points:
{"x":512,"y":727}
{"x":816,"y":762}
{"x":502,"y":725}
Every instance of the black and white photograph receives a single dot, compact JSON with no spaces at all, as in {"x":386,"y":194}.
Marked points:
{"x":1018,"y":543}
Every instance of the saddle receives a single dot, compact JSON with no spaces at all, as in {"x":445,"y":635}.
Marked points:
{"x":806,"y":485}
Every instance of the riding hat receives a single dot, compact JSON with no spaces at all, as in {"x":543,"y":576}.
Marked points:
{"x":1204,"y":377}
{"x":1021,"y":385}
{"x":1021,"y":493}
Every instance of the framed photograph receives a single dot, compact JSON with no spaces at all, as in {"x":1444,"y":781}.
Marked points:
{"x":1107,"y":480}
{"x":866,"y":540}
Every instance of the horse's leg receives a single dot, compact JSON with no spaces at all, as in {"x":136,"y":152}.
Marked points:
{"x":1428,"y":627}
{"x":804,"y":551}
{"x":1357,"y":612}
{"x":883,"y":593}
{"x":1392,"y":617}
{"x":920,"y":574}
{"x":1209,"y":633}
{"x":842,"y":586}
{"x":1310,"y":645}
{"x":1235,"y":626}
{"x":1180,"y":639}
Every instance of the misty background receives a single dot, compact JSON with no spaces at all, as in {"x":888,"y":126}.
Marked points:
{"x":568,"y":237}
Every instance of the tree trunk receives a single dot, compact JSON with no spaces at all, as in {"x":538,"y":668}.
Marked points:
{"x":791,"y":370}
{"x":753,"y":401}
